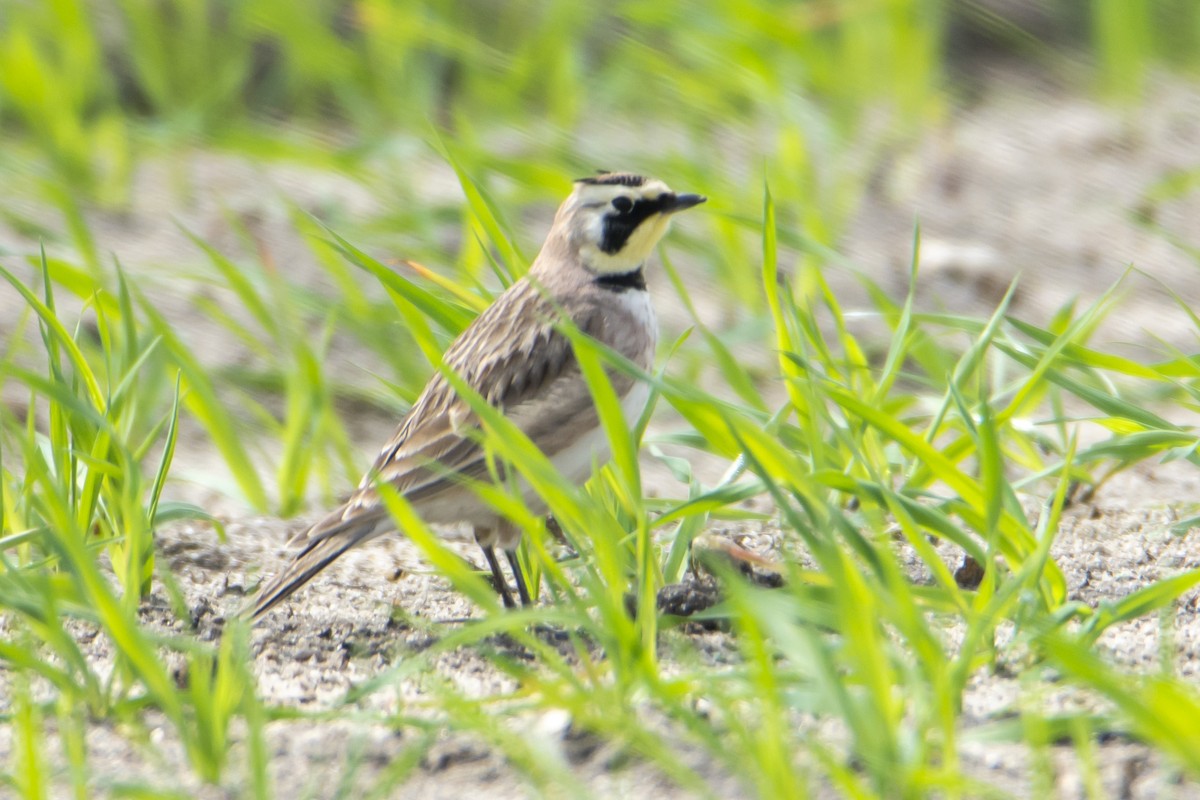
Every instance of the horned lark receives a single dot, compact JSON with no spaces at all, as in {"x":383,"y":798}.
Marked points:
{"x":590,"y":271}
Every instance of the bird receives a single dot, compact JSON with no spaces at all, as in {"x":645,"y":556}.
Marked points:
{"x":590,"y":271}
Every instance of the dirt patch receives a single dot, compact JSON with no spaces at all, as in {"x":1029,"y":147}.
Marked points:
{"x":1055,"y":189}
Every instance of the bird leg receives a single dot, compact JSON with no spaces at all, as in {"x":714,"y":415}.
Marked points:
{"x":499,"y":580}
{"x":522,"y":588}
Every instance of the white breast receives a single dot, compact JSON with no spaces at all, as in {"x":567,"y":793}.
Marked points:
{"x":637,"y":305}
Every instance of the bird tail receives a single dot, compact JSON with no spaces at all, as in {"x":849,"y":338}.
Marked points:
{"x":325,"y":543}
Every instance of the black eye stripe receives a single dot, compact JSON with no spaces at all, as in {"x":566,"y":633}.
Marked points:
{"x":619,"y":227}
{"x":622,"y":204}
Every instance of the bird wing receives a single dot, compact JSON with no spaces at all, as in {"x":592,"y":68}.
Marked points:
{"x":512,"y":355}
{"x":523,"y":367}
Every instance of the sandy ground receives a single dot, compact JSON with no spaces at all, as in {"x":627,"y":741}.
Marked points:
{"x":1025,"y":180}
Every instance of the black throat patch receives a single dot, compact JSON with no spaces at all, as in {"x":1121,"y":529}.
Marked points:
{"x":623,"y":281}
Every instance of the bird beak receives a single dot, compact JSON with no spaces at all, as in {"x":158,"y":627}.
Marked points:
{"x":678,"y":202}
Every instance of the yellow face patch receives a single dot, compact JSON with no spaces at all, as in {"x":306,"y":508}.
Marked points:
{"x":594,"y":208}
{"x":633,"y":254}
{"x":642,"y":241}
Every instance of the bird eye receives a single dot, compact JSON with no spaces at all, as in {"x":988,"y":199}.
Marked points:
{"x":623,"y":204}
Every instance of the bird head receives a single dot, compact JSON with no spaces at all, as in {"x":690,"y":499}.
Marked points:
{"x":613,"y":220}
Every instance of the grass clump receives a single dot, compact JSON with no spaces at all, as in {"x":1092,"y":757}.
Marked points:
{"x":83,"y":475}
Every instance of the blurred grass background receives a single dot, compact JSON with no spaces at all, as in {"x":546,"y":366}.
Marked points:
{"x":462,"y":124}
{"x":715,"y":94}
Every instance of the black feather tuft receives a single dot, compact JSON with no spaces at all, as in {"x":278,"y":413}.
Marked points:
{"x":614,"y":179}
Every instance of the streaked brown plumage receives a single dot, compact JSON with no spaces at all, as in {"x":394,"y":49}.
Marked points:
{"x":589,"y":270}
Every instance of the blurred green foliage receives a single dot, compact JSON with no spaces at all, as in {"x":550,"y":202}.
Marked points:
{"x":815,"y":89}
{"x":200,"y":66}
{"x":74,"y":72}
